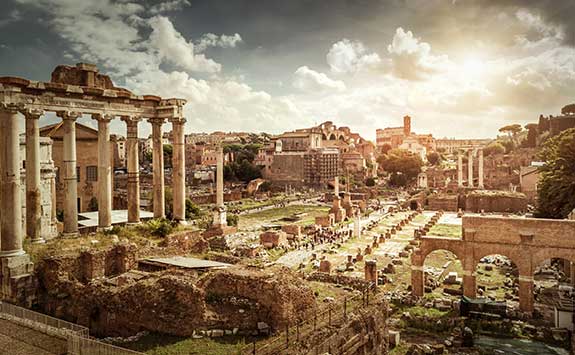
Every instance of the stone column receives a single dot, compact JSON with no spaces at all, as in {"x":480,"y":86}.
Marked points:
{"x":179,"y":169}
{"x":459,"y":170}
{"x":336,"y":186}
{"x":104,"y":172}
{"x":69,"y":173}
{"x":357,"y":226}
{"x":33,"y":196}
{"x":220,"y":177}
{"x":469,"y":284}
{"x":370,"y":270}
{"x":526,"y":293}
{"x":480,"y":184}
{"x":10,"y":196}
{"x":158,"y":167}
{"x":133,"y":168}
{"x":417,"y":280}
{"x":470,"y":168}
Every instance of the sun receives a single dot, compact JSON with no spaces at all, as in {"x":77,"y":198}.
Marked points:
{"x":474,"y":67}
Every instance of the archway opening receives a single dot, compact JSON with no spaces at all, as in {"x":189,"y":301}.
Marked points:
{"x":497,"y":278}
{"x":443,"y":274}
{"x":554,"y":292}
{"x":332,"y":137}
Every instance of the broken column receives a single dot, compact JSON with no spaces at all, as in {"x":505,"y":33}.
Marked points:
{"x":371,"y":271}
{"x":357,"y":226}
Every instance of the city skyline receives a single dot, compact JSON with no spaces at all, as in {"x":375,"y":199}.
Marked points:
{"x":450,"y":65}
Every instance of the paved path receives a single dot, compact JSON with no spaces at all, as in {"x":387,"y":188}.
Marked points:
{"x":19,"y":340}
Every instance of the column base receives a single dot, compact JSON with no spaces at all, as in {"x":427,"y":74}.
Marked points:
{"x":131,"y":224}
{"x":182,"y":222}
{"x":11,"y":253}
{"x":38,"y":241}
{"x":104,"y":229}
{"x":70,"y":235}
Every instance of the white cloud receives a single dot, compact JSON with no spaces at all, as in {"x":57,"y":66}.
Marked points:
{"x":167,"y":6}
{"x":348,"y":56}
{"x":223,"y":41}
{"x":169,"y":46}
{"x":312,"y":81}
{"x":412,"y":59}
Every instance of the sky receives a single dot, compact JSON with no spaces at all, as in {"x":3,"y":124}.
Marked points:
{"x":459,"y":68}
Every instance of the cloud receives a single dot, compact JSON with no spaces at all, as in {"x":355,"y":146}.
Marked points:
{"x":13,"y":16}
{"x":223,"y":41}
{"x":348,"y":56}
{"x":312,"y":81}
{"x":169,"y":46}
{"x":168,"y":6}
{"x":412,"y":59}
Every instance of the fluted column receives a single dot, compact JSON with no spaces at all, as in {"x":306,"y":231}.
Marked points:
{"x":480,"y":184}
{"x":69,"y":173}
{"x":178,"y":170}
{"x":10,"y":196}
{"x":158,"y":167}
{"x":33,"y":196}
{"x":459,"y":170}
{"x":133,"y":168}
{"x":470,"y":168}
{"x":104,"y":171}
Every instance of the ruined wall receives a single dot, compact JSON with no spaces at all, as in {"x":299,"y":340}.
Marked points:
{"x":442,"y":202}
{"x":495,"y":201}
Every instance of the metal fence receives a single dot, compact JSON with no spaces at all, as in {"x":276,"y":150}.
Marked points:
{"x":77,"y":337}
{"x":86,"y":346}
{"x":41,"y":322}
{"x":331,"y":315}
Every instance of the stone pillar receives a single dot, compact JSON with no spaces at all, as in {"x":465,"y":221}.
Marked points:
{"x":158,"y":167}
{"x":526,"y":294}
{"x":179,"y":170}
{"x":10,"y":196}
{"x":220,"y":177}
{"x":33,"y":196}
{"x":133,"y":168}
{"x":370,"y":270}
{"x":357,"y":226}
{"x":469,"y":284}
{"x":470,"y":168}
{"x":69,"y":173}
{"x":104,"y":172}
{"x":336,"y":186}
{"x":220,"y":217}
{"x":459,"y":170}
{"x":480,"y":184}
{"x":417,"y":280}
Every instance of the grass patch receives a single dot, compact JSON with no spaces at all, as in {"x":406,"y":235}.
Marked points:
{"x":159,"y":344}
{"x":446,"y":230}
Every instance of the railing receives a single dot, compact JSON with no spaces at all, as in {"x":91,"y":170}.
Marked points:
{"x":331,"y":315}
{"x":77,"y":337}
{"x":41,"y":322}
{"x":86,"y":346}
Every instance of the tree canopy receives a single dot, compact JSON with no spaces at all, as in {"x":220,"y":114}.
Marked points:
{"x":402,"y":164}
{"x":556,"y":188}
{"x":494,"y":148}
{"x":433,"y":158}
{"x":568,"y":110}
{"x":512,"y":129}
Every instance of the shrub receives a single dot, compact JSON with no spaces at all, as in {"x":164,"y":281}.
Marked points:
{"x":232,"y":220}
{"x":160,"y":227}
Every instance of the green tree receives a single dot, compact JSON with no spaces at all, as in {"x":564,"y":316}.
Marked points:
{"x":433,"y":158}
{"x":192,"y":210}
{"x":494,"y":148}
{"x":511,"y":130}
{"x":370,"y":181}
{"x":385,"y":148}
{"x":568,"y":110}
{"x":401,"y":162}
{"x":556,"y":188}
{"x":168,"y":154}
{"x":531,"y":140}
{"x":232,"y":219}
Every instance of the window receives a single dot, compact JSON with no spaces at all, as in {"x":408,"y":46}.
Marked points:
{"x":78,"y":173}
{"x":92,"y":173}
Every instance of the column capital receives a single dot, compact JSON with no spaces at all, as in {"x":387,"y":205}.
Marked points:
{"x":131,"y":119}
{"x":32,"y":113}
{"x":102,"y":117}
{"x":157,"y":120}
{"x":177,"y":120}
{"x":11,"y":107}
{"x":69,"y":115}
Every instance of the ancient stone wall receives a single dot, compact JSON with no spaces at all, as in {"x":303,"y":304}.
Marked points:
{"x":495,"y":201}
{"x":442,"y":202}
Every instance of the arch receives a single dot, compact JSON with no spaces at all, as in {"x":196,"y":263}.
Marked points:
{"x":342,"y":138}
{"x":484,"y":277}
{"x":323,"y":136}
{"x":542,"y":254}
{"x":332,"y":137}
{"x":523,"y":264}
{"x":430,"y":244}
